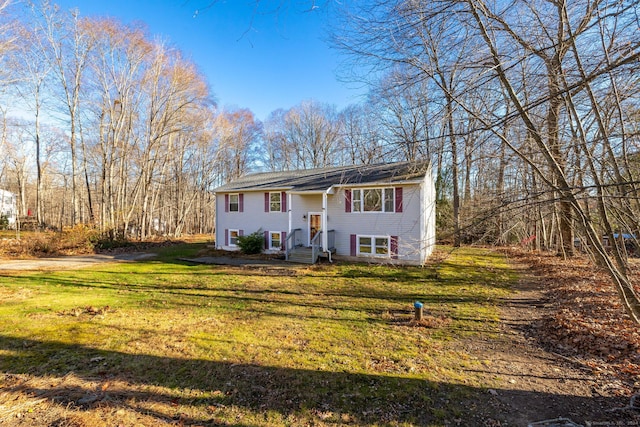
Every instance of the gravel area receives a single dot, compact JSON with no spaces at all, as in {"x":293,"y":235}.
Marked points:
{"x":61,"y":263}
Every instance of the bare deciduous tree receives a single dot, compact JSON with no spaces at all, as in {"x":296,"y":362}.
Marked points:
{"x":555,"y":69}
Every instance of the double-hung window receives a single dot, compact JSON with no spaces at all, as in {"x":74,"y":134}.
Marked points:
{"x":275,"y":202}
{"x":374,"y":246}
{"x":234,"y":203}
{"x":373,"y":200}
{"x":233,"y":237}
{"x":275,"y":238}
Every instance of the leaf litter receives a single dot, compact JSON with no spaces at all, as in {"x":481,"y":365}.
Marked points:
{"x":587,"y":324}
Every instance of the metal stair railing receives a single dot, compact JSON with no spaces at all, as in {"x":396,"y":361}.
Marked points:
{"x":290,"y":243}
{"x":315,"y":246}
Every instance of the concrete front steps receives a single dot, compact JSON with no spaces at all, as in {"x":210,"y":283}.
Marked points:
{"x":301,"y":255}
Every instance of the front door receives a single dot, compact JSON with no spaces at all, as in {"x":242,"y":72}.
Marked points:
{"x":315,"y":224}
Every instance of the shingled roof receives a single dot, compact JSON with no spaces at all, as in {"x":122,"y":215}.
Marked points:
{"x":323,"y":178}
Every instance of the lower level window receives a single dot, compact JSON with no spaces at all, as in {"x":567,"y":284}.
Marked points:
{"x":374,"y":246}
{"x":275,"y":238}
{"x":233,"y":237}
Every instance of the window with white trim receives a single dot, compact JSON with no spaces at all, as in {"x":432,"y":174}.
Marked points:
{"x":275,"y":202}
{"x":379,"y":246}
{"x":275,"y":240}
{"x":234,"y":203}
{"x":373,"y":200}
{"x":233,"y":237}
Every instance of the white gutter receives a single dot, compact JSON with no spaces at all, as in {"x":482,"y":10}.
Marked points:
{"x":379,"y":184}
{"x":250,"y":190}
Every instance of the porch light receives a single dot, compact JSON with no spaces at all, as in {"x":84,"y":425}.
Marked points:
{"x":304,"y":217}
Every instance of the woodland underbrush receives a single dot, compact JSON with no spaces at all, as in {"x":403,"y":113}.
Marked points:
{"x":77,"y":240}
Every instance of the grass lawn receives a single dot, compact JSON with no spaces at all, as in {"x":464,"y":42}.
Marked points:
{"x":161,"y":341}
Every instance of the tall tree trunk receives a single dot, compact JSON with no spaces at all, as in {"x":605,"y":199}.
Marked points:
{"x":454,"y":172}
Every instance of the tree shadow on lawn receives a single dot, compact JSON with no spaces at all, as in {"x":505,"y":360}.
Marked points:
{"x":309,"y":394}
{"x":258,"y":293}
{"x":380,"y":306}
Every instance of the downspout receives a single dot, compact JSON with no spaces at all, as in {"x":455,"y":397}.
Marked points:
{"x":290,"y":220}
{"x":325,"y":234}
{"x":325,"y":228}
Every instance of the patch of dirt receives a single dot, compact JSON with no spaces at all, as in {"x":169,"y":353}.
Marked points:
{"x":249,"y":266}
{"x":210,"y":252}
{"x":67,"y":262}
{"x":540,"y":378}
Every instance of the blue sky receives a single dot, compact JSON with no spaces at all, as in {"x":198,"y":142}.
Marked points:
{"x":260,"y":60}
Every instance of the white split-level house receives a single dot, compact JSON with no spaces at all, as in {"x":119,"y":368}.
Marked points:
{"x":8,"y":207}
{"x":381,"y":212}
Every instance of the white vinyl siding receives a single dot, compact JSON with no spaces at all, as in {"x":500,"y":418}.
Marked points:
{"x":253,"y":218}
{"x":301,"y":205}
{"x":428,"y":215}
{"x":406,"y":225}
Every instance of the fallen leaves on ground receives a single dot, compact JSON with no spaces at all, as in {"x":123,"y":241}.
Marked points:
{"x":89,"y":310}
{"x":586,"y":321}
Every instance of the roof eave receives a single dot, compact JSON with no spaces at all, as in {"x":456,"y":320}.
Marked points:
{"x":251,"y":189}
{"x":327,"y":190}
{"x":381,"y":183}
{"x":303,"y":192}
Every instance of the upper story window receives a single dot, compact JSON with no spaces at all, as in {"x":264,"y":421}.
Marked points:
{"x":275,"y":202}
{"x":373,"y":200}
{"x":234,"y":203}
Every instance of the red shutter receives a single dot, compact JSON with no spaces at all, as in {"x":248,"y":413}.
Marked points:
{"x":398,"y":199}
{"x":353,"y":245}
{"x":266,"y":202}
{"x":241,"y":202}
{"x":226,"y":237}
{"x":347,"y":200}
{"x":283,"y":201}
{"x":394,"y":247}
{"x":266,"y":240}
{"x":240,"y":232}
{"x":283,"y":241}
{"x":226,"y":203}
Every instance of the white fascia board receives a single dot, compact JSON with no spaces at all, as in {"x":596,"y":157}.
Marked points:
{"x":254,"y":190}
{"x":303,"y":192}
{"x":379,"y":184}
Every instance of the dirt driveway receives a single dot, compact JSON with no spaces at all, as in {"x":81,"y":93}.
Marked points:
{"x":65,"y":262}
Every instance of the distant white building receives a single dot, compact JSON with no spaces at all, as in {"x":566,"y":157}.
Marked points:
{"x":8,"y":207}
